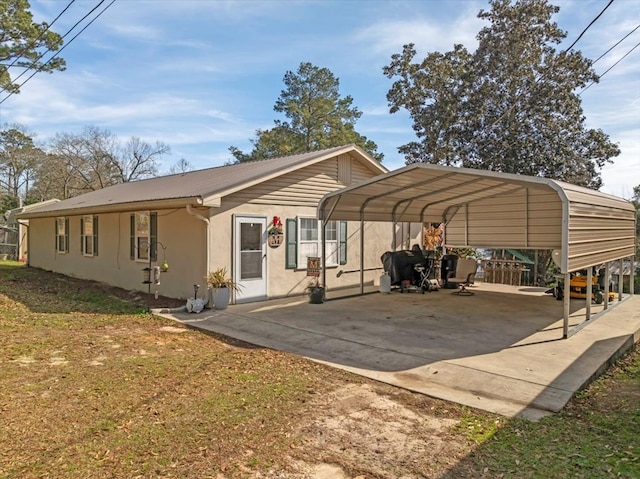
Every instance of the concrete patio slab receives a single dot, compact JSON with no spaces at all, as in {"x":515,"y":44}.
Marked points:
{"x":500,"y":350}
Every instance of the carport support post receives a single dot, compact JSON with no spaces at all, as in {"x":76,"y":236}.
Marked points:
{"x":361,"y":252}
{"x":607,"y":280}
{"x":621,"y":279}
{"x":324,"y":255}
{"x":589,"y":293}
{"x":566,"y":303}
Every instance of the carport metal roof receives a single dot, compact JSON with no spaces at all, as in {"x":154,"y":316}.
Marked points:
{"x":486,"y":209}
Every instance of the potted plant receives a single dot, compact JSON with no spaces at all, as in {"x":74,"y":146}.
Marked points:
{"x":315,"y":291}
{"x":221,"y":285}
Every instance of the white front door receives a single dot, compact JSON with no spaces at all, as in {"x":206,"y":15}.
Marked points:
{"x":250,"y":258}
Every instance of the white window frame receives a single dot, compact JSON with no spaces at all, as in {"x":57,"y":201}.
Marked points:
{"x":62,"y":235}
{"x":140,"y":238}
{"x":307,"y":246}
{"x":87,"y":236}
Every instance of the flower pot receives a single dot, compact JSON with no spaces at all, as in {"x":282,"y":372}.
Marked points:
{"x":220,"y":297}
{"x":316,"y":295}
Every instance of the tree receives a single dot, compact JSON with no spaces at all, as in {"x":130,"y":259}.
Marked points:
{"x":318,"y":118}
{"x":510,"y":106}
{"x":23,"y":43}
{"x":18,"y":160}
{"x":138,"y":160}
{"x":87,"y":159}
{"x":181,"y":166}
{"x":54,"y":179}
{"x":95,"y":159}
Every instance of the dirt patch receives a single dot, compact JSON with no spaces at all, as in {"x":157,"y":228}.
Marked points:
{"x":374,"y":431}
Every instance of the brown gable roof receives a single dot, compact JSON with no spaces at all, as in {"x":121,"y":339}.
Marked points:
{"x":193,"y":187}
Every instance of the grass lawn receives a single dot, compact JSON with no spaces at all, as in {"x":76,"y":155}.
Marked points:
{"x":597,"y":435}
{"x":93,"y":387}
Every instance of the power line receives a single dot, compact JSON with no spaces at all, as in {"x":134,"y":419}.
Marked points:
{"x":617,"y":43}
{"x":65,"y":46}
{"x":609,"y":69}
{"x":589,"y":26}
{"x":564,"y":51}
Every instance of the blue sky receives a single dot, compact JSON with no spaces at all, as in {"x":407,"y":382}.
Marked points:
{"x":202,"y":75}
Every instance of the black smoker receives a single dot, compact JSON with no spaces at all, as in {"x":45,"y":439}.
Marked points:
{"x":400,"y":266}
{"x":448,"y":270}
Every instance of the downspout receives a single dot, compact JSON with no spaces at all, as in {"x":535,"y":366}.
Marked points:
{"x":208,"y":245}
{"x":20,"y":240}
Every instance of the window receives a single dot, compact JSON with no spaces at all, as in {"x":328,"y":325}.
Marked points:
{"x":62,"y":235}
{"x":144,"y":231}
{"x":89,"y":235}
{"x":303,"y":240}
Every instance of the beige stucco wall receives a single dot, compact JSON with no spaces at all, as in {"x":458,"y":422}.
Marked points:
{"x":181,"y":234}
{"x":285,"y":282}
{"x":290,"y":195}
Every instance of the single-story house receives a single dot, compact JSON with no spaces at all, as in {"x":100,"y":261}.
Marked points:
{"x":227,"y":216}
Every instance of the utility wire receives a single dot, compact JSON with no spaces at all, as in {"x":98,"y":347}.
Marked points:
{"x":65,"y":46}
{"x":618,"y":43}
{"x":609,"y":69}
{"x":33,"y":43}
{"x":564,"y":51}
{"x":589,"y":26}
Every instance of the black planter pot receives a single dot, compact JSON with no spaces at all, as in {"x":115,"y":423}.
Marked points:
{"x":316,"y":295}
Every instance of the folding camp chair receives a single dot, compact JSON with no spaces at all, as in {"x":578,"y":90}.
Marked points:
{"x":464,"y":276}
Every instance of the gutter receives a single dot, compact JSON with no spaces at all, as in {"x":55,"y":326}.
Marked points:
{"x":23,"y":224}
{"x":208,"y":245}
{"x":110,"y":208}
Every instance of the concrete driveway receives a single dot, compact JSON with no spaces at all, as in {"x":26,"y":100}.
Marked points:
{"x":499,"y":350}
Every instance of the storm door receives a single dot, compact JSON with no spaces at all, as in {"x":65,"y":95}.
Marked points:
{"x":250,"y":258}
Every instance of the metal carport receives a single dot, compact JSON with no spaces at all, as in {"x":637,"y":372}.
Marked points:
{"x":486,"y":209}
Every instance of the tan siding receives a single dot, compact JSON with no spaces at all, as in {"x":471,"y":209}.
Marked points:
{"x":600,"y":229}
{"x":596,"y":199}
{"x":303,"y":187}
{"x":586,"y":238}
{"x":550,"y":214}
{"x":359,"y":172}
{"x":503,"y":221}
{"x":595,"y":211}
{"x":344,"y":170}
{"x":599,"y":257}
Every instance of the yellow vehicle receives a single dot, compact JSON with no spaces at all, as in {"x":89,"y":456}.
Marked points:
{"x":578,"y":287}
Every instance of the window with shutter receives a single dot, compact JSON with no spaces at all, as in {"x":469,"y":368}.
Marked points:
{"x":304,"y":240}
{"x":143,"y":238}
{"x":292,"y":244}
{"x":88,"y":235}
{"x":62,"y":235}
